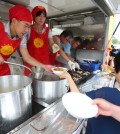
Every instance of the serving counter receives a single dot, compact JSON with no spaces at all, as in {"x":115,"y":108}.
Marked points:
{"x":54,"y":119}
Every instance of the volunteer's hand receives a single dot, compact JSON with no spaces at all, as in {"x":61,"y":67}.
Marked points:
{"x":77,"y":65}
{"x":48,"y":68}
{"x":71,"y":65}
{"x":55,"y":48}
{"x":1,"y":60}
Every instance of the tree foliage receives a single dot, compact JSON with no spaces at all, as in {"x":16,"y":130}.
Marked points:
{"x":115,"y":41}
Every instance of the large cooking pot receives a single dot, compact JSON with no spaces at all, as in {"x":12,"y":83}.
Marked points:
{"x":49,"y":88}
{"x":15,"y":101}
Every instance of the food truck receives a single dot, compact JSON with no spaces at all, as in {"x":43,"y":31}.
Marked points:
{"x":36,"y":105}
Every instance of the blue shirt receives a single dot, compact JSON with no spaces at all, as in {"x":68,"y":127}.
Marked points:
{"x":66,"y":47}
{"x":104,"y":124}
{"x":73,"y":52}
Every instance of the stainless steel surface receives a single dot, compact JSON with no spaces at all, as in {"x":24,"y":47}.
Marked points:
{"x":26,"y":123}
{"x":63,"y":123}
{"x":41,"y":102}
{"x":89,"y":85}
{"x":49,"y":91}
{"x":15,"y":101}
{"x":37,"y":72}
{"x":6,"y":62}
{"x":55,"y":119}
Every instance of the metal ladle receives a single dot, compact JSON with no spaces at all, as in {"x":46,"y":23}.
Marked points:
{"x":11,"y":63}
{"x":37,"y":72}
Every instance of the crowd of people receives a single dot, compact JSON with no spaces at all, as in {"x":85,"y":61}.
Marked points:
{"x":28,"y":32}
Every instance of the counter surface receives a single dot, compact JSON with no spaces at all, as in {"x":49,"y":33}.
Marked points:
{"x":55,"y":119}
{"x":52,"y":120}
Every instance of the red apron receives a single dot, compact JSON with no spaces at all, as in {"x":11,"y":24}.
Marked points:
{"x":52,"y":58}
{"x":7,"y":48}
{"x":38,"y":47}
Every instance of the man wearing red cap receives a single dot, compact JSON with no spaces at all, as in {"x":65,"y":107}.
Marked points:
{"x":11,"y":35}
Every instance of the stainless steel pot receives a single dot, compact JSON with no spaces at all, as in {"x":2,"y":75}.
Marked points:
{"x":51,"y":89}
{"x":15,"y":101}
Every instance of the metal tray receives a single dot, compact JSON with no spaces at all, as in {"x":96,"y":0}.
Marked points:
{"x":84,"y":76}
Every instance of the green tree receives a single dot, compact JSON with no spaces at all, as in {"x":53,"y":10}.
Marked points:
{"x":115,"y":41}
{"x":119,"y":42}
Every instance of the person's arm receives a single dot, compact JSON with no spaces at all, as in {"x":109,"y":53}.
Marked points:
{"x":115,"y":112}
{"x":107,"y":109}
{"x":68,"y":55}
{"x":71,"y":61}
{"x":72,"y":85}
{"x":53,"y":47}
{"x":1,"y":59}
{"x":27,"y":58}
{"x":63,"y":54}
{"x":1,"y":29}
{"x":107,"y":68}
{"x":51,"y":42}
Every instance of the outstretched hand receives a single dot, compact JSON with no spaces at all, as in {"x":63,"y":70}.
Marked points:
{"x":104,"y":107}
{"x":71,"y":65}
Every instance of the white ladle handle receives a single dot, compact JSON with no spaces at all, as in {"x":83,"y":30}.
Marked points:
{"x":6,"y":62}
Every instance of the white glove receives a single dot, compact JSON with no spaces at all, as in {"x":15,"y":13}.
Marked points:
{"x":71,"y":65}
{"x":77,"y":65}
{"x":55,"y":48}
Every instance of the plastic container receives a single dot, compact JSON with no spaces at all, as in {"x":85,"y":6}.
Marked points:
{"x":89,"y":65}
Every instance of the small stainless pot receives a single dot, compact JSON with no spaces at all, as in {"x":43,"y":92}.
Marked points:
{"x":37,"y":72}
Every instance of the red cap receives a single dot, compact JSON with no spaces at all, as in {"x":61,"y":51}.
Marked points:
{"x":37,"y":9}
{"x":20,"y":13}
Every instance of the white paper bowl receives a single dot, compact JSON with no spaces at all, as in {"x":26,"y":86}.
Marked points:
{"x":59,"y":72}
{"x":79,"y":105}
